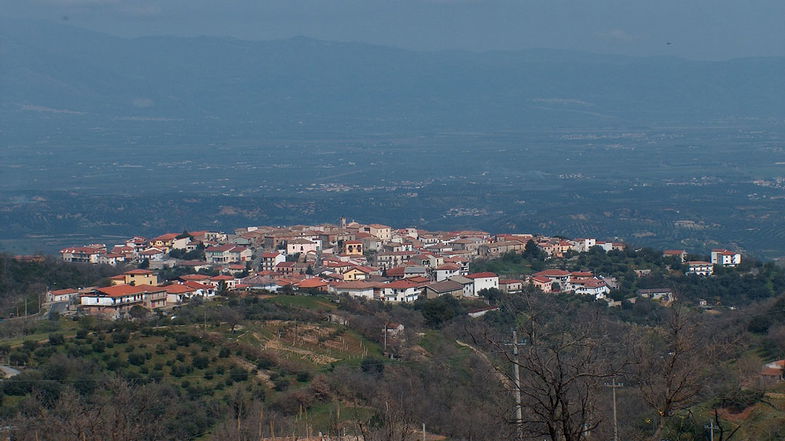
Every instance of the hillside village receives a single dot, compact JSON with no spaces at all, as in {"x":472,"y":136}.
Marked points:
{"x":370,"y":261}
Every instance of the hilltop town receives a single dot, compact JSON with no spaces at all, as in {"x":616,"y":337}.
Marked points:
{"x":370,"y":261}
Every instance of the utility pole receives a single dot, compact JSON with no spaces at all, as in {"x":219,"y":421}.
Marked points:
{"x":423,"y":431}
{"x":385,"y":336}
{"x":710,"y":426}
{"x":614,"y":385}
{"x":517,"y":391}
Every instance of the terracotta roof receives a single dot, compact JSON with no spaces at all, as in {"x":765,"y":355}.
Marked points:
{"x":448,"y":267}
{"x":313,"y":282}
{"x":166,"y":237}
{"x":178,"y":289}
{"x":481,"y":275}
{"x":196,"y":285}
{"x":398,"y":271}
{"x":509,"y":281}
{"x":138,"y":272}
{"x":401,"y":284}
{"x":127,"y":290}
{"x":552,"y":273}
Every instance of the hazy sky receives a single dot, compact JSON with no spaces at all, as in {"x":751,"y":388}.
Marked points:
{"x":706,"y":29}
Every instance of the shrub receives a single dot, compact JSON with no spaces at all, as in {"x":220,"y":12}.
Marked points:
{"x":200,"y":362}
{"x":291,"y":403}
{"x":18,"y":358}
{"x":281,"y":384}
{"x":120,"y":337}
{"x":136,"y":358}
{"x":236,"y":373}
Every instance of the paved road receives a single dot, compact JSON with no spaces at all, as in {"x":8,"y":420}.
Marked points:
{"x":8,"y":371}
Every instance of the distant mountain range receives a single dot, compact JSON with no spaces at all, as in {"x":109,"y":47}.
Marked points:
{"x":69,"y":72}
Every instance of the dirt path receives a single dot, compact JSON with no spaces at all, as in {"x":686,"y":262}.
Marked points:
{"x":505,"y":380}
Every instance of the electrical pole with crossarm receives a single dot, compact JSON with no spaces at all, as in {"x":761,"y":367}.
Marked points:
{"x":517,"y":391}
{"x":614,"y":385}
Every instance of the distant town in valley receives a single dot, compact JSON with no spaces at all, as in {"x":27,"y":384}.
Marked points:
{"x":370,"y":261}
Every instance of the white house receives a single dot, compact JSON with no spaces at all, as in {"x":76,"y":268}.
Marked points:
{"x":725,"y":257}
{"x":590,"y":286}
{"x":176,"y":294}
{"x":467,"y":283}
{"x":445,"y":271}
{"x":62,"y":295}
{"x":181,"y":243}
{"x":700,"y":268}
{"x":583,"y":245}
{"x":88,"y":254}
{"x":116,"y":301}
{"x":301,"y":246}
{"x":402,"y":291}
{"x":228,"y":253}
{"x":483,"y":281}
{"x":354,"y":288}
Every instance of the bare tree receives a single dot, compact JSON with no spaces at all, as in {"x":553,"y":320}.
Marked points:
{"x":670,"y":367}
{"x":563,"y":366}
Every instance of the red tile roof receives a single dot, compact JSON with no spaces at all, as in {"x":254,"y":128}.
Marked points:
{"x":481,"y":275}
{"x":138,"y":272}
{"x":178,"y":289}
{"x":127,"y":290}
{"x":313,"y":282}
{"x":552,"y":273}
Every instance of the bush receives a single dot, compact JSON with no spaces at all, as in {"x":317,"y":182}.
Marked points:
{"x":99,"y":346}
{"x":281,"y":384}
{"x":237,"y":374}
{"x":373,"y":366}
{"x":56,"y":339}
{"x":291,"y":403}
{"x":120,"y":337}
{"x":18,"y":358}
{"x":200,"y":362}
{"x":303,"y":377}
{"x":183,"y":339}
{"x":136,"y":358}
{"x":224,"y":352}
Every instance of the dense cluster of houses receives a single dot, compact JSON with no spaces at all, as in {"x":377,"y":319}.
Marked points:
{"x":371,"y":261}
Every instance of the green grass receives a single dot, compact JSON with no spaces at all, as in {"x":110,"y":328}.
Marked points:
{"x":318,"y":303}
{"x":323,"y":416}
